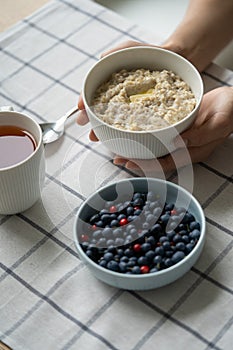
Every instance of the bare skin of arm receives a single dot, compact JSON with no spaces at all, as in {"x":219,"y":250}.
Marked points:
{"x":204,"y":31}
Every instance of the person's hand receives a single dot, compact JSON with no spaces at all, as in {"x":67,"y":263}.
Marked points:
{"x":214,"y":123}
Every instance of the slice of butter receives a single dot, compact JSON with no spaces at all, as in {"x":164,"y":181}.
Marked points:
{"x":134,"y":98}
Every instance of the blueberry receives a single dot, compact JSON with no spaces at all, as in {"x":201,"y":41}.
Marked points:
{"x":154,"y":269}
{"x":85,"y":246}
{"x":136,"y":270}
{"x":122,"y":266}
{"x":97,"y":234}
{"x":128,"y":240}
{"x":113,"y":266}
{"x":172,"y":225}
{"x":107,"y":232}
{"x":124,"y":259}
{"x":119,"y":241}
{"x":131,"y":218}
{"x":153,"y":205}
{"x":185,"y":239}
{"x":177,"y":256}
{"x":137,"y":212}
{"x":195,"y":234}
{"x":114,"y":223}
{"x":99,"y":223}
{"x":106,"y":218}
{"x":155,"y":229}
{"x":189,"y":247}
{"x":194,"y":225}
{"x":188,"y":217}
{"x":145,"y":247}
{"x":120,"y":207}
{"x":177,"y":238}
{"x":159,"y":251}
{"x":171,"y":234}
{"x":133,"y":258}
{"x":113,"y":216}
{"x":128,"y":252}
{"x":102,"y":242}
{"x":129,"y":211}
{"x":130,"y":227}
{"x":103,"y":263}
{"x":145,"y":225}
{"x":117,"y":232}
{"x":134,"y":233}
{"x":151,"y":196}
{"x":110,"y":243}
{"x":163,"y":239}
{"x":137,"y":195}
{"x":142,"y":260}
{"x":169,"y":253}
{"x":169,"y":206}
{"x":131,"y":263}
{"x":138,"y":202}
{"x":181,"y":227}
{"x":157,"y":212}
{"x":183,"y":232}
{"x":121,"y":216}
{"x":103,"y":211}
{"x":150,"y":255}
{"x":157,"y":259}
{"x":180,"y":246}
{"x":91,"y":254}
{"x":108,"y":256}
{"x":180,"y":210}
{"x":168,"y":262}
{"x":166,"y":245}
{"x":165,"y":218}
{"x":120,"y":252}
{"x":150,"y":219}
{"x":151,"y":240}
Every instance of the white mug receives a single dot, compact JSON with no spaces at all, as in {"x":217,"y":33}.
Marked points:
{"x":21,"y":183}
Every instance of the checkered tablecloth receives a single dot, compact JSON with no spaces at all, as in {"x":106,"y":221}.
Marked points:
{"x":48,"y":299}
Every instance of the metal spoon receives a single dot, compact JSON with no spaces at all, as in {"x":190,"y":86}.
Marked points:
{"x":54,"y":130}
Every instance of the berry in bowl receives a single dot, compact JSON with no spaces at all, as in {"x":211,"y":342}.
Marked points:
{"x":140,"y":233}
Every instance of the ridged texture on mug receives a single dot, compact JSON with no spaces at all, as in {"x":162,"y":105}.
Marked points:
{"x":23,"y":184}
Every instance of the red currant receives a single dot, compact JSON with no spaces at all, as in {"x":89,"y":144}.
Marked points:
{"x":112,"y":209}
{"x":173,"y":212}
{"x":137,"y":247}
{"x":84,"y":238}
{"x":144,"y":269}
{"x":123,"y":222}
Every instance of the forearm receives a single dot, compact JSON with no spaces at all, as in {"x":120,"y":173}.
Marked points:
{"x":206,"y":29}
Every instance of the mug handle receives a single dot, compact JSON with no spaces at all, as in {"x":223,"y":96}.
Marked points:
{"x":6,"y":108}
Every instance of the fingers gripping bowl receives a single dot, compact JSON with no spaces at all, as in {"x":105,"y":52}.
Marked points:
{"x":141,"y":144}
{"x":140,"y":233}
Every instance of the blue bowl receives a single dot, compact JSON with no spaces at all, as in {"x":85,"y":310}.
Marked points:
{"x":122,"y":191}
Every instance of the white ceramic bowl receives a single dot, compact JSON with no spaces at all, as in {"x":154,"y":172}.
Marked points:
{"x":123,"y":190}
{"x":140,"y":144}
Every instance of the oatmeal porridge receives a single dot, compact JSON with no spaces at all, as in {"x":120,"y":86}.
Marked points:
{"x":141,"y":99}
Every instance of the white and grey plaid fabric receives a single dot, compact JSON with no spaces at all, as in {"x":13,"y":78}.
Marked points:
{"x":48,"y":299}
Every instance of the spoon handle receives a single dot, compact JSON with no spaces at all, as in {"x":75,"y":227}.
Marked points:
{"x":70,"y":112}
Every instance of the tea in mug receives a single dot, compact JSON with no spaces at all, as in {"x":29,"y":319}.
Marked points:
{"x":16,"y":145}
